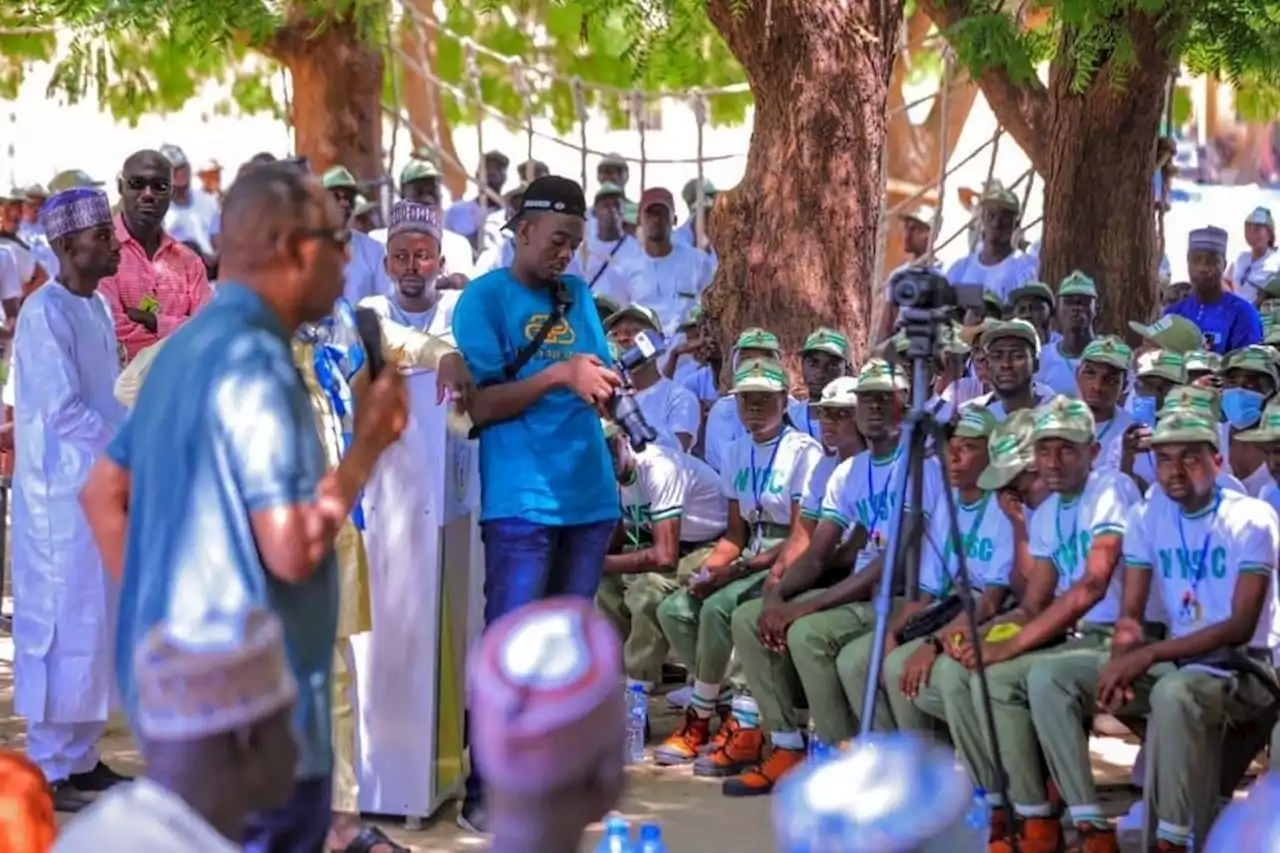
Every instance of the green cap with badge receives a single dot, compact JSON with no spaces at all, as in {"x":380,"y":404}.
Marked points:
{"x":606,"y":306}
{"x":1020,"y":329}
{"x":840,"y":393}
{"x":1078,"y":284}
{"x":1109,"y":350}
{"x":1010,"y":451}
{"x":995,"y":195}
{"x":1205,"y":401}
{"x":1065,"y":418}
{"x":879,"y":375}
{"x":608,"y":190}
{"x":690,"y":193}
{"x":1163,"y":363}
{"x":691,"y":318}
{"x":950,"y":340}
{"x":1268,"y":429}
{"x":975,"y":422}
{"x":72,"y":179}
{"x":755,"y":338}
{"x":337,"y":178}
{"x":1202,"y":361}
{"x":418,"y":170}
{"x":829,"y":341}
{"x":1034,"y":289}
{"x":1185,"y":427}
{"x":1252,"y":359}
{"x":1171,"y":332}
{"x":760,"y":374}
{"x":640,"y":313}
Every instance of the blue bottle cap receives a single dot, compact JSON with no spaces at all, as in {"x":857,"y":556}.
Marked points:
{"x":650,"y":832}
{"x":615,"y":824}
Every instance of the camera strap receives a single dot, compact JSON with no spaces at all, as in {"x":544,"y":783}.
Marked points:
{"x":559,"y":305}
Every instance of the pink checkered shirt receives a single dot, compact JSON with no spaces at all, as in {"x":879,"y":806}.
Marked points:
{"x":175,"y":276}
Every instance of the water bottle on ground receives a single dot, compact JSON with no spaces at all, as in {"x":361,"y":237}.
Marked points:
{"x":651,"y":839}
{"x":617,"y":836}
{"x":978,"y":822}
{"x":637,"y":717}
{"x":817,"y":750}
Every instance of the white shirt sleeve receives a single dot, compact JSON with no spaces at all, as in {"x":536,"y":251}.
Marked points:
{"x":807,"y":457}
{"x":728,"y":471}
{"x":1256,"y":544}
{"x":1042,"y":540}
{"x":684,"y":414}
{"x":1108,"y":506}
{"x":664,"y":485}
{"x":1137,"y":543}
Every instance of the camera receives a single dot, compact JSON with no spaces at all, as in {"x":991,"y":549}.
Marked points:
{"x":623,"y":407}
{"x":925,"y":289}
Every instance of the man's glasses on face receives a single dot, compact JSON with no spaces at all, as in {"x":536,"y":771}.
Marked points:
{"x":159,"y":186}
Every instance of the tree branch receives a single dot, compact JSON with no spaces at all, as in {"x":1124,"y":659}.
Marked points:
{"x":1022,"y":108}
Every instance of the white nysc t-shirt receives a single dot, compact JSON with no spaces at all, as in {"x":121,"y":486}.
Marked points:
{"x":1249,"y":274}
{"x":670,"y":484}
{"x":1196,"y":559}
{"x":768,"y":479}
{"x":1063,"y":531}
{"x":1110,"y":437}
{"x":671,"y":410}
{"x":1001,"y":279}
{"x":987,"y":537}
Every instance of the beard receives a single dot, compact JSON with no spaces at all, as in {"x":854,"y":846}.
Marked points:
{"x":417,"y":286}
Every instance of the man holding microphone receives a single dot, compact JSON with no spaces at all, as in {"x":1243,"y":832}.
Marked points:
{"x":537,"y":349}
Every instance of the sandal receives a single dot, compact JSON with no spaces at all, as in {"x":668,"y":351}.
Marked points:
{"x":369,"y":837}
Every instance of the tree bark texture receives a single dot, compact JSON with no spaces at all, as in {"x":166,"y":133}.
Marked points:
{"x":421,"y":97}
{"x":798,"y":234}
{"x":337,"y":92}
{"x":1095,"y":151}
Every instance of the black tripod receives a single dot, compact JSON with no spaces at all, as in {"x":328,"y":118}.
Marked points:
{"x":918,"y":295}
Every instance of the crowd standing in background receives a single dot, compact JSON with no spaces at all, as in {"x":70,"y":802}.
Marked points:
{"x":1117,"y":507}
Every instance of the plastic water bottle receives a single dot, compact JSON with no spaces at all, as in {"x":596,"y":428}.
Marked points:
{"x":817,"y":750}
{"x":637,"y":716}
{"x":651,"y":839}
{"x":617,"y":836}
{"x":978,"y":822}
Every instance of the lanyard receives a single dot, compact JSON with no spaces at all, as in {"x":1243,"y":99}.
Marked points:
{"x":758,"y":486}
{"x":969,"y":538}
{"x":1064,"y":550}
{"x":880,"y":500}
{"x":1107,"y":428}
{"x":1199,"y":568}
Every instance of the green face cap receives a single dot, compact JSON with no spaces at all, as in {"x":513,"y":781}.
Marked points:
{"x":1020,"y":329}
{"x":950,"y":340}
{"x":1165,"y":364}
{"x":418,"y":170}
{"x":72,"y":179}
{"x":840,"y":393}
{"x":691,"y":318}
{"x":639,"y":313}
{"x":1268,"y":429}
{"x":608,"y":190}
{"x":995,"y":195}
{"x":1010,"y":451}
{"x":975,"y":422}
{"x":631,"y":213}
{"x":993,"y":300}
{"x":759,"y":339}
{"x":1252,"y":359}
{"x":337,"y":178}
{"x":1171,"y":332}
{"x":605,"y":305}
{"x":879,"y":375}
{"x":1078,"y":284}
{"x":1031,"y":289}
{"x":1185,"y":427}
{"x":1109,"y":350}
{"x":1064,"y":418}
{"x":1200,"y":361}
{"x":1204,"y":401}
{"x":760,"y":374}
{"x":829,"y":341}
{"x":690,"y":192}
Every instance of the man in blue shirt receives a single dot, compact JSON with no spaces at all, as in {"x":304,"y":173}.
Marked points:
{"x":214,"y":494}
{"x":1228,"y":321}
{"x":549,"y":500}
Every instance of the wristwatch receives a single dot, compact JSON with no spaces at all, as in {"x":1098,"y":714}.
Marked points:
{"x":932,"y":640}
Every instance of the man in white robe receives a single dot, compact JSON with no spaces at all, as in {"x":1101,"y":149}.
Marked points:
{"x":414,"y":265}
{"x":66,"y":360}
{"x":674,"y":274}
{"x":420,"y":183}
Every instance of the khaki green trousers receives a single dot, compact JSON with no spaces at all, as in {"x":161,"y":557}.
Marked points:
{"x":806,"y":670}
{"x":700,"y":630}
{"x":631,"y":603}
{"x":1187,"y":708}
{"x":853,"y":665}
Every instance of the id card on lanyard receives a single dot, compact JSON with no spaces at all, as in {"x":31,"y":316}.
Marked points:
{"x":1190,"y":611}
{"x":876,"y":540}
{"x":760,"y":482}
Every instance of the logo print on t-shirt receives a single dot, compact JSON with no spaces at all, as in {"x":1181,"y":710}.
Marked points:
{"x":561,"y":333}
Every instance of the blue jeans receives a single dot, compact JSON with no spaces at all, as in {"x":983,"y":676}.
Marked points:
{"x":301,"y":825}
{"x":526,"y":562}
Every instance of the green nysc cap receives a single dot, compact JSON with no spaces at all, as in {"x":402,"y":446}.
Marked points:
{"x":975,"y":422}
{"x":1163,"y":363}
{"x":829,"y":341}
{"x":1010,"y":451}
{"x":417,"y":170}
{"x":1252,"y":359}
{"x":691,"y":318}
{"x":950,"y":340}
{"x":1207,"y":402}
{"x":338,"y":177}
{"x":1109,"y":350}
{"x":1171,"y":332}
{"x":760,"y":374}
{"x":1020,"y":329}
{"x":639,"y":313}
{"x":840,"y":393}
{"x":1202,"y":361}
{"x":1033,"y":289}
{"x":756,"y":338}
{"x":879,"y":375}
{"x":1078,"y":284}
{"x":72,"y":179}
{"x":1185,"y":427}
{"x":608,"y":190}
{"x":606,"y":306}
{"x":1064,"y":418}
{"x":1268,"y":429}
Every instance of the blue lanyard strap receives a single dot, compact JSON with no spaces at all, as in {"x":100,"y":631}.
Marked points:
{"x":1200,"y":566}
{"x":878,"y":501}
{"x":1069,"y":556}
{"x":758,"y":486}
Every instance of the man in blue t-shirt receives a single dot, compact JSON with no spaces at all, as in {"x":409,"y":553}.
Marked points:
{"x":1227,"y":321}
{"x":213,"y":498}
{"x":549,"y":500}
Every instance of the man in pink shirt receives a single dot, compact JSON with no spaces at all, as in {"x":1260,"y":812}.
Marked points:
{"x":160,"y":282}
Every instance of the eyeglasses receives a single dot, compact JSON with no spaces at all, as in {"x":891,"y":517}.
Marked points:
{"x":159,"y":186}
{"x":337,"y":236}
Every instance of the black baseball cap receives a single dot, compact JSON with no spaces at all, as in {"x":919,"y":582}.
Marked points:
{"x":554,"y":194}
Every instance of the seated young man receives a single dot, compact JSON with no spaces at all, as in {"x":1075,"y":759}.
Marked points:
{"x":671,"y":409}
{"x":1207,"y":403}
{"x":1249,"y":378}
{"x":764,"y":477}
{"x":1157,"y":373}
{"x":722,"y":425}
{"x":1012,"y":355}
{"x":800,"y":618}
{"x":673,"y":511}
{"x":1101,"y":378}
{"x":824,"y":357}
{"x":1207,"y":555}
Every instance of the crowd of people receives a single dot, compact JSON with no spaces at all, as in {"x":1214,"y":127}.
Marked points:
{"x":189,"y":533}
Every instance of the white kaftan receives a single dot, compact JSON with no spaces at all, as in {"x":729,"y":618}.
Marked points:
{"x":66,"y":361}
{"x":142,"y":816}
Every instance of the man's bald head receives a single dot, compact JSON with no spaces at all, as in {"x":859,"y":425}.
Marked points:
{"x":146,"y":159}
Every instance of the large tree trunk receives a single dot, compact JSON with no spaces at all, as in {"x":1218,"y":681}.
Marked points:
{"x":421,"y":96}
{"x":798,"y":234}
{"x":337,"y":92}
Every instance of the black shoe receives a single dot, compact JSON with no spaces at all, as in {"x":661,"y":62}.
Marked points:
{"x":100,"y":778}
{"x":473,"y":817}
{"x":67,"y":797}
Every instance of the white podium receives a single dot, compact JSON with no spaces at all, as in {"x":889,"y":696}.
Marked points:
{"x":426,"y":575}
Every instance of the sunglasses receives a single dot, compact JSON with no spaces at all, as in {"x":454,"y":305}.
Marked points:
{"x":160,"y":186}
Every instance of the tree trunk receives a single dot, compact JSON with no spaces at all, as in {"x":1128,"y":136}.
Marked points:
{"x":337,"y":92}
{"x":799,"y":232}
{"x":422,"y":101}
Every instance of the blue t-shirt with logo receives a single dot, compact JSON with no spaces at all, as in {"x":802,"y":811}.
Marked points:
{"x":223,"y":428}
{"x":550,"y":464}
{"x":1228,"y":324}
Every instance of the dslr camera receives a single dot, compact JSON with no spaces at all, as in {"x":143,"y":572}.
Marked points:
{"x":623,"y":407}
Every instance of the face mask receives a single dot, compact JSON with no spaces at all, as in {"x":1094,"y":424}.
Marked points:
{"x":1242,"y":407}
{"x":1144,"y":410}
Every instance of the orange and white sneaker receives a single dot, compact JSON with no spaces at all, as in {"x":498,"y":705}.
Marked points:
{"x":1038,"y":835}
{"x":760,"y":779}
{"x":728,"y":725}
{"x":742,"y":748}
{"x":685,"y":742}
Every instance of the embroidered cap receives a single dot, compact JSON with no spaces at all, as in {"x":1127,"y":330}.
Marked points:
{"x":840,"y":393}
{"x":1268,"y":429}
{"x":551,"y":194}
{"x":1202,"y":361}
{"x":690,"y":193}
{"x":1207,"y":402}
{"x":72,"y":179}
{"x":1163,"y":363}
{"x":640,"y":313}
{"x":1260,"y":216}
{"x":74,"y":210}
{"x":879,"y":375}
{"x":1254,"y":358}
{"x":921,"y":213}
{"x":1185,"y":427}
{"x":364,"y":205}
{"x":1032,"y":289}
{"x":612,"y":160}
{"x":419,"y":169}
{"x":608,"y":190}
{"x":338,"y":178}
{"x":176,"y":156}
{"x":760,"y":374}
{"x":1064,"y":418}
{"x":1109,"y":350}
{"x":1010,"y":451}
{"x":975,"y":422}
{"x":756,"y":338}
{"x":1020,"y":329}
{"x":409,"y":216}
{"x":829,"y":341}
{"x":1077,"y":284}
{"x":1208,"y":239}
{"x":995,"y":195}
{"x":691,"y":318}
{"x":1172,"y":332}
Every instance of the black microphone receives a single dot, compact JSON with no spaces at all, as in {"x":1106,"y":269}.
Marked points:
{"x":370,"y":329}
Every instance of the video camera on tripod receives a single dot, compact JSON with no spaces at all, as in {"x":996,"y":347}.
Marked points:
{"x":925,"y":301}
